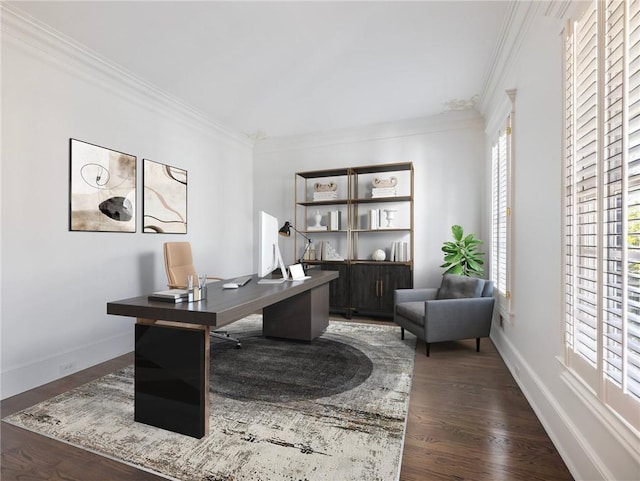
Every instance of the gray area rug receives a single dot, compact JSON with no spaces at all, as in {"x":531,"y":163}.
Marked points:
{"x":333,"y":409}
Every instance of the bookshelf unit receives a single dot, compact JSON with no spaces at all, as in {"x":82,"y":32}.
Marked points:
{"x":359,"y":212}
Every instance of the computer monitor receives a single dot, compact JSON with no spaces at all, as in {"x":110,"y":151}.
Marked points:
{"x":269,"y":256}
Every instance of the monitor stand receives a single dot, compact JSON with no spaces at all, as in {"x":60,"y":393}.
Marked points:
{"x":278,"y":280}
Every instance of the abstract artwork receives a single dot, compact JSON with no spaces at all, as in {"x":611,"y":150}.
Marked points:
{"x":102,"y":191}
{"x":165,"y":198}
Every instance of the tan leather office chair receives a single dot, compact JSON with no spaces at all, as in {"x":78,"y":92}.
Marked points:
{"x":178,"y":262}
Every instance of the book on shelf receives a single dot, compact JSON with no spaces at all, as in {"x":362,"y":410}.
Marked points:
{"x":317,"y":227}
{"x":334,"y":220}
{"x":331,"y":195}
{"x":326,"y":252}
{"x":399,"y":251}
{"x":310,"y":253}
{"x":170,"y":295}
{"x":375,"y":220}
{"x":383,"y":192}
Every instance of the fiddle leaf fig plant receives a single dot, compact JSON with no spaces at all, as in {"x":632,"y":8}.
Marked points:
{"x":461,"y":256}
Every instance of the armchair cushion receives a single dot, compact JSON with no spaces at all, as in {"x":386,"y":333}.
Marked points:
{"x":413,"y":311}
{"x":457,"y":287}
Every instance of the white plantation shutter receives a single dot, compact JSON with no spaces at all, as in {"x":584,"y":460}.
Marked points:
{"x":569,"y":161}
{"x":500,"y":217}
{"x":602,"y":203}
{"x":584,"y":193}
{"x":631,"y":333}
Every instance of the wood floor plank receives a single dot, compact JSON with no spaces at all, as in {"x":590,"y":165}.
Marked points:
{"x":28,"y":456}
{"x":468,"y":420}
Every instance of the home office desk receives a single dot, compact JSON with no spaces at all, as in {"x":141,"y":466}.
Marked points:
{"x":172,"y":341}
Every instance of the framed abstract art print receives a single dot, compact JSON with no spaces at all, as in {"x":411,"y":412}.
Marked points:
{"x":102,"y":189}
{"x":165,"y":198}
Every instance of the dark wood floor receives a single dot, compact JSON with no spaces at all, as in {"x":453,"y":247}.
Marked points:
{"x":467,"y":420}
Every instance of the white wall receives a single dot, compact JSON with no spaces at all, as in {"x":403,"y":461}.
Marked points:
{"x":56,"y":283}
{"x":592,"y":442}
{"x":447,"y":151}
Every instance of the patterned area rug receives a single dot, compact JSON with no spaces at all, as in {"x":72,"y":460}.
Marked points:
{"x":333,"y":409}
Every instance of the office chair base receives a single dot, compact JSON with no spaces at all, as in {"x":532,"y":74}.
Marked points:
{"x":225,"y":336}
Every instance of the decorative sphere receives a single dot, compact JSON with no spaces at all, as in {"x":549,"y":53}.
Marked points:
{"x":378,"y":255}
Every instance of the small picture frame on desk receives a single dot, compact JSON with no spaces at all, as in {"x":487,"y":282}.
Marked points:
{"x":296,"y":272}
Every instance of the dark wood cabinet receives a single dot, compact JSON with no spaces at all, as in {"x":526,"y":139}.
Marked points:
{"x":338,"y":288}
{"x":372,"y":286}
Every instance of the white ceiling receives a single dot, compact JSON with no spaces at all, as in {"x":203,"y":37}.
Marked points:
{"x":285,"y":68}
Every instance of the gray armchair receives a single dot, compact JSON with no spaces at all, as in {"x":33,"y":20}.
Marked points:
{"x":461,"y":308}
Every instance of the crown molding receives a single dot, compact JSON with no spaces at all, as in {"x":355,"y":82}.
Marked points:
{"x":505,"y":106}
{"x":557,"y":8}
{"x":35,"y":38}
{"x":516,"y":26}
{"x":451,"y":120}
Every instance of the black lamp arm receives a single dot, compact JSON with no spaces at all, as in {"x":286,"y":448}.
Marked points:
{"x":308,"y":240}
{"x":304,"y":252}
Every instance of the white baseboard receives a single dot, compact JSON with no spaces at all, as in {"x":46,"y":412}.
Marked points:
{"x":28,"y":376}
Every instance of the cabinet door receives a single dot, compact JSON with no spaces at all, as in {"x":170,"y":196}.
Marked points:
{"x":338,"y":288}
{"x":393,"y":277}
{"x":365,"y":287}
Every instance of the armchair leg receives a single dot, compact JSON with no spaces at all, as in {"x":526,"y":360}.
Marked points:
{"x":477,"y":344}
{"x":402,"y":333}
{"x":428,"y":346}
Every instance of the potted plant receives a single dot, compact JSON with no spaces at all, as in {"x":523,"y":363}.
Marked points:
{"x":461,"y":255}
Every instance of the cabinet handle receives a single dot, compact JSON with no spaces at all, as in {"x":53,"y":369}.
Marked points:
{"x":379,"y":288}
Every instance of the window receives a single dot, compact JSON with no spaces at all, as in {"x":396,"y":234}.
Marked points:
{"x":500,"y":216}
{"x":602,"y":203}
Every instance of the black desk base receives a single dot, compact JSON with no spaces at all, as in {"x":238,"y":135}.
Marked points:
{"x":171,"y":378}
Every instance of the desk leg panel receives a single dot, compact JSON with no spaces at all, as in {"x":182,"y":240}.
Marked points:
{"x":302,"y":317}
{"x":172,"y":378}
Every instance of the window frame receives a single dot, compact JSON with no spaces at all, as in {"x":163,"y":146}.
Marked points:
{"x":501,"y":268}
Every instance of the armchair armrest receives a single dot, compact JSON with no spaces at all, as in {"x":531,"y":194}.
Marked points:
{"x":413,"y":295}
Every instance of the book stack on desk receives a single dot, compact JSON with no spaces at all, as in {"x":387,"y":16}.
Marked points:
{"x":172,"y":295}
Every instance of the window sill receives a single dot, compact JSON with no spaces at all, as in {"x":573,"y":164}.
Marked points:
{"x":620,"y":429}
{"x":505,"y":313}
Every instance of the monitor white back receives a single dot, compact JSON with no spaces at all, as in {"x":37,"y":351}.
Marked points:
{"x":269,"y":257}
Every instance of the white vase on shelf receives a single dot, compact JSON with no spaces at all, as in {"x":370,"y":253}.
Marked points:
{"x":317,"y":217}
{"x":390,"y":214}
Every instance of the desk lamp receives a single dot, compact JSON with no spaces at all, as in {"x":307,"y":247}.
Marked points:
{"x":285,"y":231}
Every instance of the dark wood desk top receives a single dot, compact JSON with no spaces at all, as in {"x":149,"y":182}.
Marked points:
{"x":222,"y":306}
